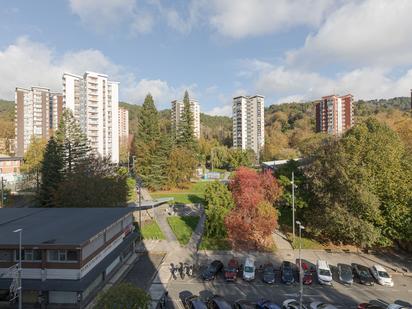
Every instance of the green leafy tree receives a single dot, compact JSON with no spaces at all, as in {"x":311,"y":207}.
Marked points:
{"x":32,"y":161}
{"x":182,"y":163}
{"x":123,"y":295}
{"x":95,"y":182}
{"x":219,"y":202}
{"x":73,"y":141}
{"x":362,"y":187}
{"x":51,"y":173}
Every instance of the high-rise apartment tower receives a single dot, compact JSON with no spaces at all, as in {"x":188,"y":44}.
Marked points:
{"x":94,"y":101}
{"x":177,"y":111}
{"x":37,"y":112}
{"x":123,"y":127}
{"x":334,"y":114}
{"x":249,"y":123}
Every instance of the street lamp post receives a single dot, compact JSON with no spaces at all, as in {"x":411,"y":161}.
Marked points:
{"x":139,"y":184}
{"x":301,"y":227}
{"x":20,"y":231}
{"x":293,"y":204}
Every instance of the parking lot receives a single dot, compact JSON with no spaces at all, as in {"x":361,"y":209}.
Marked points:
{"x":340,"y":295}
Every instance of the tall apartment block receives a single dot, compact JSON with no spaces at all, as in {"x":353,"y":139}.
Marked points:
{"x":123,"y":127}
{"x":177,"y":111}
{"x":94,"y":101}
{"x":334,"y":114}
{"x":249,"y":123}
{"x":37,"y":115}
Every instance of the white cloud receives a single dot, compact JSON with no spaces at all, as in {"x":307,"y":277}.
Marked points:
{"x":370,"y":32}
{"x":100,"y":15}
{"x":364,"y":83}
{"x":244,"y":18}
{"x":27,"y":63}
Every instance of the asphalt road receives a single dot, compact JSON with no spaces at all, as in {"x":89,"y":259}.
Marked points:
{"x":339,"y":295}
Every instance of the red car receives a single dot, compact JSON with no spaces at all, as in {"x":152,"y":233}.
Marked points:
{"x":231,"y":270}
{"x":369,"y":306}
{"x":307,"y":274}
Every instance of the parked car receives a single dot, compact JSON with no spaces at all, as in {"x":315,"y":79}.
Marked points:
{"x":194,"y":302}
{"x":362,"y":274}
{"x":381,"y":275}
{"x":307,"y":274}
{"x":244,"y":304}
{"x":249,"y":269}
{"x":370,"y":306}
{"x":286,"y":272}
{"x":212,"y":270}
{"x":218,"y":302}
{"x":396,"y":306}
{"x":231,"y":270}
{"x":292,"y":304}
{"x":323,"y":272}
{"x":320,"y":305}
{"x":269,"y":273}
{"x":345,"y":274}
{"x":266,"y":304}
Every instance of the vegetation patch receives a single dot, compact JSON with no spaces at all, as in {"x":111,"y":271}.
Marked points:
{"x":183,"y":227}
{"x":193,"y":194}
{"x":214,"y":244}
{"x":151,"y":230}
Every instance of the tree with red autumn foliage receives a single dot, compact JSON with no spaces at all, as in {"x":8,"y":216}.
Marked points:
{"x":251,"y":222}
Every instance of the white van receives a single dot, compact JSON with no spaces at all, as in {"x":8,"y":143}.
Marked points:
{"x":249,"y":269}
{"x":323,"y":272}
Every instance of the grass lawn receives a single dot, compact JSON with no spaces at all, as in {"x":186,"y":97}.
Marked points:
{"x":151,"y":230}
{"x":183,"y":227}
{"x":214,"y":244}
{"x":193,"y":194}
{"x":307,"y":243}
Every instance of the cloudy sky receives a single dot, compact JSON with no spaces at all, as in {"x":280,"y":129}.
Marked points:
{"x":286,"y":50}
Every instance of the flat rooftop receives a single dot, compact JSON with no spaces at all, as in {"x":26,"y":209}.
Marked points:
{"x":55,"y":226}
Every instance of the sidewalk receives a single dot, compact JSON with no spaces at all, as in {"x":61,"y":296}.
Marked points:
{"x":281,"y":242}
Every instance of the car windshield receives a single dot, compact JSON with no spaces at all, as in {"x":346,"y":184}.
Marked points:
{"x":324,"y":272}
{"x":345,"y":270}
{"x":231,"y":269}
{"x":268,"y":270}
{"x":364,"y":273}
{"x":249,"y":269}
{"x":383,"y":274}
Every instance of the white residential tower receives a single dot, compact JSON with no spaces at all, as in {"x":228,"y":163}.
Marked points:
{"x":177,"y":111}
{"x":94,"y":101}
{"x":249,"y":123}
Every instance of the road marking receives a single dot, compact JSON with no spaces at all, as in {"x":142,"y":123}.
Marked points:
{"x":241,"y":292}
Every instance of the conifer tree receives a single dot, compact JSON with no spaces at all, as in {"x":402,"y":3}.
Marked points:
{"x":185,"y":131}
{"x":72,"y":140}
{"x":51,"y":173}
{"x":151,"y":147}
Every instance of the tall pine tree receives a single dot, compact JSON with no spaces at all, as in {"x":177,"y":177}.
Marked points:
{"x":151,"y":147}
{"x":73,"y":142}
{"x":185,"y":131}
{"x":51,"y":173}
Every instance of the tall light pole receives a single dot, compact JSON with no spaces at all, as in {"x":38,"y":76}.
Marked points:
{"x":139,"y":184}
{"x":293,"y":205}
{"x":20,"y":231}
{"x":301,"y":227}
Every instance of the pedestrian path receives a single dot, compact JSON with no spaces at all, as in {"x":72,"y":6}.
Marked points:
{"x":196,"y":238}
{"x":281,"y":241}
{"x":165,"y":227}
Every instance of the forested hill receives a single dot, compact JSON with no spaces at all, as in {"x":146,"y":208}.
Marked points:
{"x":288,"y":125}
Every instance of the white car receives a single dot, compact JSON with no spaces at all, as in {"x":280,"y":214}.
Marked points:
{"x":323,"y":272}
{"x":320,"y":305}
{"x":396,"y":306}
{"x":381,"y":275}
{"x":292,"y":304}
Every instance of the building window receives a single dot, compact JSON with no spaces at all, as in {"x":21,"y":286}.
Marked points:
{"x":6,"y":255}
{"x":62,"y":256}
{"x":29,"y":255}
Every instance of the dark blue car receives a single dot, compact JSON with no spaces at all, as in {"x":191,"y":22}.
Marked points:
{"x":266,"y":304}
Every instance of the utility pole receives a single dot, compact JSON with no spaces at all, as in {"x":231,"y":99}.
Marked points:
{"x":301,"y":227}
{"x":293,"y":204}
{"x":128,"y":162}
{"x":20,"y":231}
{"x":139,"y":183}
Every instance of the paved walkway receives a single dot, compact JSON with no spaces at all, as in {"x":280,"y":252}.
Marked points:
{"x":196,"y":238}
{"x":281,"y":241}
{"x":165,"y":227}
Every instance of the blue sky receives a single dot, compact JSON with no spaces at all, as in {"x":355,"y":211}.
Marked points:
{"x":286,"y":50}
